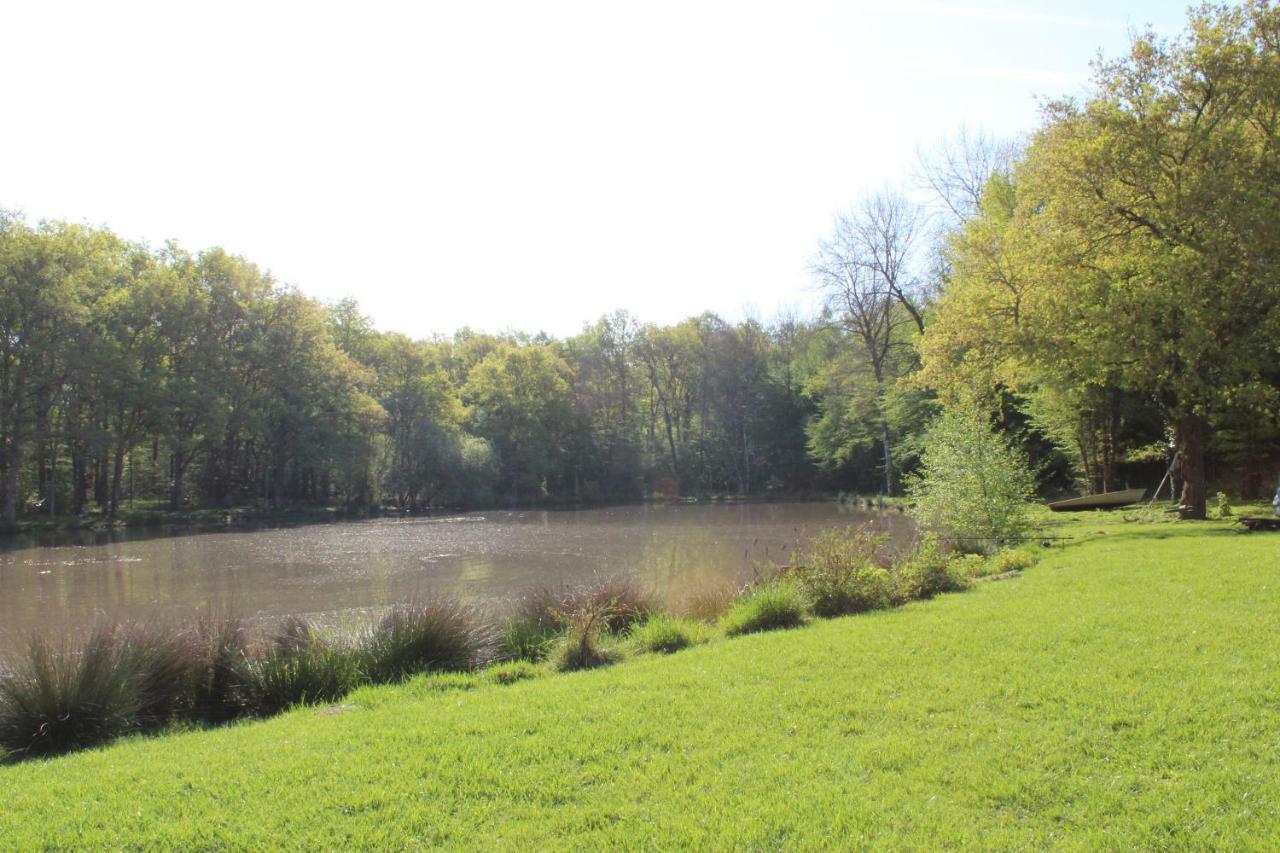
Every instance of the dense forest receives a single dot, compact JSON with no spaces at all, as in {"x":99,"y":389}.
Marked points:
{"x":1107,"y":290}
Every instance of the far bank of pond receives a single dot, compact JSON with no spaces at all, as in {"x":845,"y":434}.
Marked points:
{"x":326,"y":570}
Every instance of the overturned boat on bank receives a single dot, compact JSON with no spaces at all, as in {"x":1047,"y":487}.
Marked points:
{"x":1106,"y":500}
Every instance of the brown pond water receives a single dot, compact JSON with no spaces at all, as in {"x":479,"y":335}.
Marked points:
{"x":327,"y":570}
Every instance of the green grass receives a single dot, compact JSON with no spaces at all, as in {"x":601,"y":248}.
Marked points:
{"x":1121,"y":693}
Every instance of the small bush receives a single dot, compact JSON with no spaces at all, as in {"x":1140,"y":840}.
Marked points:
{"x":1012,"y":560}
{"x":297,"y":667}
{"x":664,"y":635}
{"x":838,"y":573}
{"x":581,"y":647}
{"x":55,"y":700}
{"x":1223,"y":505}
{"x":765,"y":608}
{"x":431,"y":636}
{"x":927,"y":572}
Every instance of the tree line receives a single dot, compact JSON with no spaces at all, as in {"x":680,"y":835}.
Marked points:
{"x":1105,"y":291}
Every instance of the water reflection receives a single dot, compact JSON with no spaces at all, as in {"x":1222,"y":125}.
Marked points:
{"x":325,"y":570}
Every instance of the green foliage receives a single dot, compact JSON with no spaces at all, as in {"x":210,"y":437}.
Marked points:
{"x":1012,"y":560}
{"x":1223,"y":506}
{"x":925,"y":572}
{"x":1008,"y":561}
{"x":665,"y":634}
{"x":1132,"y":249}
{"x":767,"y":607}
{"x":838,"y":573}
{"x":973,"y":487}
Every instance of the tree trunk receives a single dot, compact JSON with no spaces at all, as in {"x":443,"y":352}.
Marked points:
{"x":1189,"y":439}
{"x":117,"y":477}
{"x":12,"y":456}
{"x":178,"y":467}
{"x":888,"y":456}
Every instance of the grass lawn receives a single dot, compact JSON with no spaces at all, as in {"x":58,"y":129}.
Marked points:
{"x":1123,"y":692}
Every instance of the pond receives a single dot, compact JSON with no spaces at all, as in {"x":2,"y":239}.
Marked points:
{"x":326,"y":570}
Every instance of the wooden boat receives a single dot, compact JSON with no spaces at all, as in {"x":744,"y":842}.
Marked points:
{"x":1106,"y":500}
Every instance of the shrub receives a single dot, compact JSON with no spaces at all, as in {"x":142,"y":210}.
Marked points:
{"x":838,"y":574}
{"x":54,"y":700}
{"x":430,"y":636}
{"x":926,"y":572}
{"x":974,"y":485}
{"x":1011,"y":560}
{"x":1223,"y":505}
{"x":297,"y":667}
{"x":765,"y":608}
{"x":663,"y":634}
{"x":581,"y":647}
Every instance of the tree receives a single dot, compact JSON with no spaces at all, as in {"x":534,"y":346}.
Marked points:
{"x":863,"y":270}
{"x":974,"y":485}
{"x":519,"y":400}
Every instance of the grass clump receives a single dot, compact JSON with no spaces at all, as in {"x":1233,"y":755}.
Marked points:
{"x":215,"y":693}
{"x":55,"y":700}
{"x":166,"y":664}
{"x":297,"y":666}
{"x":621,"y":601}
{"x":664,"y":634}
{"x":531,"y":627}
{"x":542,"y":617}
{"x":439,"y":634}
{"x":509,"y":672}
{"x":765,"y":608}
{"x":707,"y":604}
{"x":838,"y":573}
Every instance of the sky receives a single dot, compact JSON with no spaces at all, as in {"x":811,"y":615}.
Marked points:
{"x":521,"y":165}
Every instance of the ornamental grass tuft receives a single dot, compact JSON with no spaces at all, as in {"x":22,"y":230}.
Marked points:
{"x":434,"y":635}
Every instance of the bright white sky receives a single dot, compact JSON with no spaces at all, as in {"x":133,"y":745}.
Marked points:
{"x":525,"y":165}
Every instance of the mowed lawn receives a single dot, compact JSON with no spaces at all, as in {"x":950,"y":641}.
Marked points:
{"x":1124,"y":692}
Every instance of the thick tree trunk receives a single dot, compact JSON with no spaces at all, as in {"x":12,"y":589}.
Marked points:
{"x":1190,"y":432}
